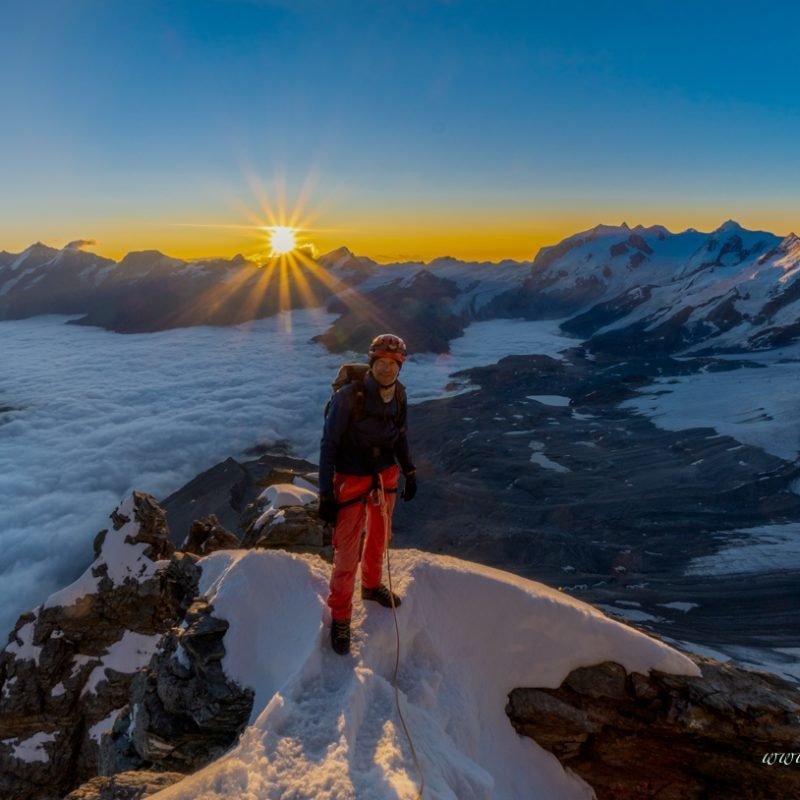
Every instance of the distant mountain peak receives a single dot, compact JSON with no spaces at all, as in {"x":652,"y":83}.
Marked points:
{"x":40,"y":247}
{"x":339,"y":252}
{"x":790,"y":242}
{"x":606,"y":230}
{"x":139,"y":257}
{"x":144,"y":254}
{"x":653,"y":229}
{"x":35,"y":255}
{"x":344,"y":262}
{"x":729,"y":226}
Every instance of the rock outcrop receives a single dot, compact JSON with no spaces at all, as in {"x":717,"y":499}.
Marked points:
{"x":208,"y":535}
{"x":230,"y":491}
{"x":284,"y":516}
{"x":125,"y":786}
{"x":183,"y":712}
{"x":730,"y":733}
{"x":66,"y":672}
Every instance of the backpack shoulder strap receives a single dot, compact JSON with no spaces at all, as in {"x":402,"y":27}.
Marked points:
{"x":400,"y":396}
{"x":359,"y":392}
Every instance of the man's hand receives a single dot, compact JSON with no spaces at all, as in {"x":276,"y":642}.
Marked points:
{"x":409,"y":487}
{"x":328,"y":508}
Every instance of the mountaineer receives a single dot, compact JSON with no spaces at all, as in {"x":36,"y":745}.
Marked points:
{"x":363,"y":441}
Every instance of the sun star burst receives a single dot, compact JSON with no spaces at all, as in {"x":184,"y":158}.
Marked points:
{"x":282,"y":240}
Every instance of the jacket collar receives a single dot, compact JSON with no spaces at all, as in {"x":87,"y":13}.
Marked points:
{"x":372,"y":387}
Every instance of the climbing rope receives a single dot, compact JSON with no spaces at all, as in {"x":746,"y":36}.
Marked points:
{"x":387,"y":532}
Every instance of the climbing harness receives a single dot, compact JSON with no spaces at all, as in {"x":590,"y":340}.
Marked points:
{"x":381,"y":492}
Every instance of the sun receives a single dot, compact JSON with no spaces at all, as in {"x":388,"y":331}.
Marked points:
{"x":282,"y":240}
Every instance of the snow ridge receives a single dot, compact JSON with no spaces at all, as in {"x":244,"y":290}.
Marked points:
{"x":325,"y":726}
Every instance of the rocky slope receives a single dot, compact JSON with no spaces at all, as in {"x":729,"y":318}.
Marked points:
{"x":67,"y":669}
{"x":728,"y":733}
{"x":121,"y":670}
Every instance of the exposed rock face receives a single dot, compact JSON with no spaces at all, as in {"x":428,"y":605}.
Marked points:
{"x":264,"y":502}
{"x":103,"y":655}
{"x":284,"y":515}
{"x":297,"y":529}
{"x":422,"y":310}
{"x":67,"y":669}
{"x":606,"y":312}
{"x":667,"y":736}
{"x":125,"y":786}
{"x":184,"y":712}
{"x":173,"y":294}
{"x":207,"y":535}
{"x":229,"y":488}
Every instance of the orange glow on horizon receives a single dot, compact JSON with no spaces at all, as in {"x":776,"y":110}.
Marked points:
{"x":384,"y":246}
{"x":475,"y":236}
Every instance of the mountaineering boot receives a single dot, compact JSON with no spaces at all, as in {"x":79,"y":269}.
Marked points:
{"x":340,"y":636}
{"x":380,"y":594}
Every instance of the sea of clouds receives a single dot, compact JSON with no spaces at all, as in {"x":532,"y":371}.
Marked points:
{"x":99,"y":414}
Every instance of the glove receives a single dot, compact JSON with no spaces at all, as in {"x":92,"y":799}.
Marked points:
{"x":328,"y":509}
{"x":409,"y":487}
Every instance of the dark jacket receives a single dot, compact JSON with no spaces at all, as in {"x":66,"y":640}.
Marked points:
{"x":363,"y":446}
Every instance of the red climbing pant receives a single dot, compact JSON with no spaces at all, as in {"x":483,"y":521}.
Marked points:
{"x":347,"y":535}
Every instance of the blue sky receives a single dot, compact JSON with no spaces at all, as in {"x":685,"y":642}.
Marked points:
{"x":418,"y":127}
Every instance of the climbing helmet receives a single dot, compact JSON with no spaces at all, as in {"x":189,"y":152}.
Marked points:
{"x":387,"y":345}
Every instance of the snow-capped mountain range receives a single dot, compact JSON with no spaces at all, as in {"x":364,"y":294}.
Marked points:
{"x":625,"y":289}
{"x":645,"y":289}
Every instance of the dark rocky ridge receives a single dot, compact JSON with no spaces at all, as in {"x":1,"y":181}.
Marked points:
{"x":226,"y":294}
{"x":421,"y":313}
{"x":174,"y":713}
{"x":182,"y":712}
{"x":52,"y":674}
{"x":669,"y":737}
{"x":229,"y":489}
{"x":131,"y":785}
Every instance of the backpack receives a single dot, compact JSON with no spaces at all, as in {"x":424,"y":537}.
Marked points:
{"x":355,"y":374}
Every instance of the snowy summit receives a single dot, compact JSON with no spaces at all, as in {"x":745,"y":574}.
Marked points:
{"x":325,"y":727}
